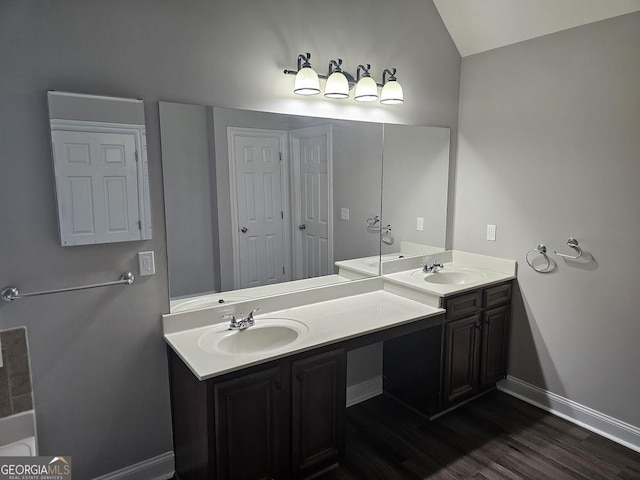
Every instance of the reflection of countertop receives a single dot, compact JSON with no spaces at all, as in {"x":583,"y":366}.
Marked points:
{"x":194,"y":302}
{"x":328,"y":322}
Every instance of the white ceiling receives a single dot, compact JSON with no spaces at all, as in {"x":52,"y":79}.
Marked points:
{"x":480,"y":25}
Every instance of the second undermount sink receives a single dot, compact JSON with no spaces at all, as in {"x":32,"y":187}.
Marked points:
{"x":266,"y":335}
{"x":451,"y":275}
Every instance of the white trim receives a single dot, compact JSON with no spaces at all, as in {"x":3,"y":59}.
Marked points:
{"x":94,"y":97}
{"x":364,"y":391}
{"x":286,"y":226}
{"x":156,"y":468}
{"x":593,"y":420}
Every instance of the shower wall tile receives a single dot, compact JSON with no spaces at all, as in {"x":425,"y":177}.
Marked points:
{"x":16,"y":394}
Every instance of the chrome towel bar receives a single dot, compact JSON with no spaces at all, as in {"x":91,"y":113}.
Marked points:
{"x":11,"y":293}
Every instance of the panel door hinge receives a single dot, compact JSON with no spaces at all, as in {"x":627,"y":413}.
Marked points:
{"x":281,"y":214}
{"x":280,"y":156}
{"x":139,"y":224}
{"x":283,"y":270}
{"x":137,"y":156}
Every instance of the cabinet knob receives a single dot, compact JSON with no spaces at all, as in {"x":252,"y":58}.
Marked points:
{"x":299,"y":376}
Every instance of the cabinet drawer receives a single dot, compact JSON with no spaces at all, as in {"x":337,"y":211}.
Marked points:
{"x":463,"y":305}
{"x":498,"y":295}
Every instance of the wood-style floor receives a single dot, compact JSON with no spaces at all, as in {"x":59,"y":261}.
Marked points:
{"x":493,"y":437}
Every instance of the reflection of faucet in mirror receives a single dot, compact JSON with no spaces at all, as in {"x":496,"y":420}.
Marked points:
{"x":387,"y":236}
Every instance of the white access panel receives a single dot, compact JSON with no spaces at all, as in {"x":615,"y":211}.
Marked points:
{"x":97,"y":187}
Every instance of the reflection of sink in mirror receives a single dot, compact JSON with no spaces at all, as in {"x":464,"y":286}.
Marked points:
{"x":183,"y":305}
{"x":266,"y":335}
{"x":450,"y":275}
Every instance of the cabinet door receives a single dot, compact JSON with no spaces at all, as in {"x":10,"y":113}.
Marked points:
{"x":251,"y":427}
{"x":462,"y":355}
{"x":495,"y":338}
{"x":318,"y":408}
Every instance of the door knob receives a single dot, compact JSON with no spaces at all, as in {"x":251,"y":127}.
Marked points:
{"x":244,"y":229}
{"x":302,"y":227}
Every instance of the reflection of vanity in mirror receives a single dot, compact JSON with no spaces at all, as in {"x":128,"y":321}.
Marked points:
{"x":259,"y":204}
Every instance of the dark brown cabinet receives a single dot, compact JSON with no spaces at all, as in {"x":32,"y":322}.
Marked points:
{"x":318,"y":407}
{"x":475,"y":347}
{"x":281,"y":420}
{"x":495,"y":344}
{"x":251,"y":426}
{"x":461,"y":358}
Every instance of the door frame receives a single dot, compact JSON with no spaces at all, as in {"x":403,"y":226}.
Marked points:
{"x":232,"y":132}
{"x":294,"y":143}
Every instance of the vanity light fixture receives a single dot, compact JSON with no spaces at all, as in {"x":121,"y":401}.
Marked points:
{"x":306,"y":82}
{"x":339,"y":82}
{"x":391,"y":90}
{"x":366,"y":88}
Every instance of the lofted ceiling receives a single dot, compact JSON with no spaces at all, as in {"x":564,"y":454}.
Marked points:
{"x":480,"y":25}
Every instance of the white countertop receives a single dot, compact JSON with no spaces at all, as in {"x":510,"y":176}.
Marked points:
{"x":328,"y":322}
{"x":482,"y":272}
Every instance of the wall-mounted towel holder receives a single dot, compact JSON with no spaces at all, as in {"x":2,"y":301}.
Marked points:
{"x":571,"y":243}
{"x":542,"y":250}
{"x":11,"y":293}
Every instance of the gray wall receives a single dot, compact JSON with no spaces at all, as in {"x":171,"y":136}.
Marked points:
{"x":419,"y":188}
{"x":549,"y":147}
{"x":98,"y":358}
{"x":188,"y":201}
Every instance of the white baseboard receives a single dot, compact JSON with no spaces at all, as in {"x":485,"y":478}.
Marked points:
{"x":157,"y":468}
{"x":597,"y":422}
{"x":364,"y":391}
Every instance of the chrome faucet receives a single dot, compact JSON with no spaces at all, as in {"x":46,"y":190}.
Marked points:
{"x":242,"y":323}
{"x":435,"y":267}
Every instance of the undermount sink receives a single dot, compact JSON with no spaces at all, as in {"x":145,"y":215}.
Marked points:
{"x":266,"y":335}
{"x":451,"y":276}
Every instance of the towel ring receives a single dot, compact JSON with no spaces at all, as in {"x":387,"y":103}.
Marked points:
{"x":542,"y":250}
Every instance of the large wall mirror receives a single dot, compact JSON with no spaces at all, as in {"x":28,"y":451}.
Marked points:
{"x":259,"y":203}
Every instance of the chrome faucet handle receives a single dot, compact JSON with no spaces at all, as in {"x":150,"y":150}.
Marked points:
{"x":234,"y":324}
{"x":250,"y":316}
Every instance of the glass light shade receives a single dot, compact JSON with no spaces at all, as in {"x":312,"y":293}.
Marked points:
{"x":366,"y":90}
{"x":391,"y":93}
{"x":306,"y":82}
{"x":337,"y":86}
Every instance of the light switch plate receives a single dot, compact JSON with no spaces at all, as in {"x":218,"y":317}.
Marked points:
{"x":491,"y":233}
{"x":344,"y":213}
{"x":420,"y":224}
{"x":146,"y":263}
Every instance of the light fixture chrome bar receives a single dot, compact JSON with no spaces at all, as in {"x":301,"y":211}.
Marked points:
{"x":350,"y":78}
{"x":11,"y":293}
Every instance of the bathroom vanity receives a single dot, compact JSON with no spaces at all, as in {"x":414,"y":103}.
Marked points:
{"x":262,"y":409}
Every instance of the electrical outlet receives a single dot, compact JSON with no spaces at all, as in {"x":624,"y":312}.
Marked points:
{"x":146,"y":263}
{"x":344,"y":213}
{"x":420,"y":224}
{"x":491,"y":233}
